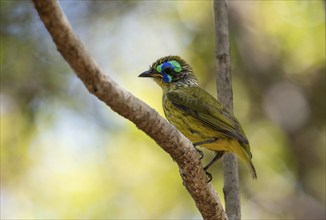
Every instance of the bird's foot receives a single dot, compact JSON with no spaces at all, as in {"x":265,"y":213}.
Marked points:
{"x":218,"y":155}
{"x":210,"y":140}
{"x":209,"y":176}
{"x":201,"y":154}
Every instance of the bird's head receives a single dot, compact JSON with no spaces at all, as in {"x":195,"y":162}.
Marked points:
{"x":171,"y":71}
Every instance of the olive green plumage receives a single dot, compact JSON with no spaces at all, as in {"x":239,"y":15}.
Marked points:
{"x":195,"y":113}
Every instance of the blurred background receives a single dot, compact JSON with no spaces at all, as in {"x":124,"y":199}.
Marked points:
{"x":64,"y":154}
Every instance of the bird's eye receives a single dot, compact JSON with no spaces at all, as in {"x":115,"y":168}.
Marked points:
{"x":167,"y":70}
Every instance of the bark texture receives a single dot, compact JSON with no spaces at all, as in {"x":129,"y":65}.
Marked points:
{"x":133,"y":109}
{"x":225,"y":95}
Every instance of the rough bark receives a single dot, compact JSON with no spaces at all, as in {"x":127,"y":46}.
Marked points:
{"x":224,"y":90}
{"x":133,"y":109}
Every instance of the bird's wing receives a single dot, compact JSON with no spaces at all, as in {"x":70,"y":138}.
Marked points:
{"x":204,"y":107}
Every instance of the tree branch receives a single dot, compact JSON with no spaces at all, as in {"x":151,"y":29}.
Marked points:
{"x":224,"y":90}
{"x":130,"y":107}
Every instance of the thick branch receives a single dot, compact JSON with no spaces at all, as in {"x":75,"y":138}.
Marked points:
{"x":130,"y":107}
{"x":224,"y":90}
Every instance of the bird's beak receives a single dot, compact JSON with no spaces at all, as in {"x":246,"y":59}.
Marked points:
{"x":148,"y":73}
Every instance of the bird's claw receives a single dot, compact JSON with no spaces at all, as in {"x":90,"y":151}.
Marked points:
{"x":201,"y":154}
{"x":209,"y":176}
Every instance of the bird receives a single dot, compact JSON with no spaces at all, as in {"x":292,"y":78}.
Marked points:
{"x":196,"y":114}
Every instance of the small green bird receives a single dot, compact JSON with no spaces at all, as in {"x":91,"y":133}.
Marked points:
{"x":197,"y":114}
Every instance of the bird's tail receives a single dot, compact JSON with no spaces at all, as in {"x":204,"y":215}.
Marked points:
{"x":252,"y":169}
{"x":242,"y":150}
{"x":246,"y":156}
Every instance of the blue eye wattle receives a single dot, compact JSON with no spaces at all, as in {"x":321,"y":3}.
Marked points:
{"x":167,"y":78}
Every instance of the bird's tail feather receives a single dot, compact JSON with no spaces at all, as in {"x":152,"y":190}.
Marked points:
{"x":246,"y":156}
{"x":252,"y":169}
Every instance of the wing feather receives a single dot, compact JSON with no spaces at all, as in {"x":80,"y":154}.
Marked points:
{"x":211,"y":112}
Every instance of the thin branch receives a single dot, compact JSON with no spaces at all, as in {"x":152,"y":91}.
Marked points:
{"x":130,"y":107}
{"x":224,"y":90}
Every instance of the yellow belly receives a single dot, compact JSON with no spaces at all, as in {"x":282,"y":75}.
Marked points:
{"x":197,"y":131}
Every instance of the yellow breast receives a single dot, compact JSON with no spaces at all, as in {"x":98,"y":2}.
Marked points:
{"x":195,"y":130}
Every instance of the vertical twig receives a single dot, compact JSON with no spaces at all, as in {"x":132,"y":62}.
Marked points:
{"x":224,"y":90}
